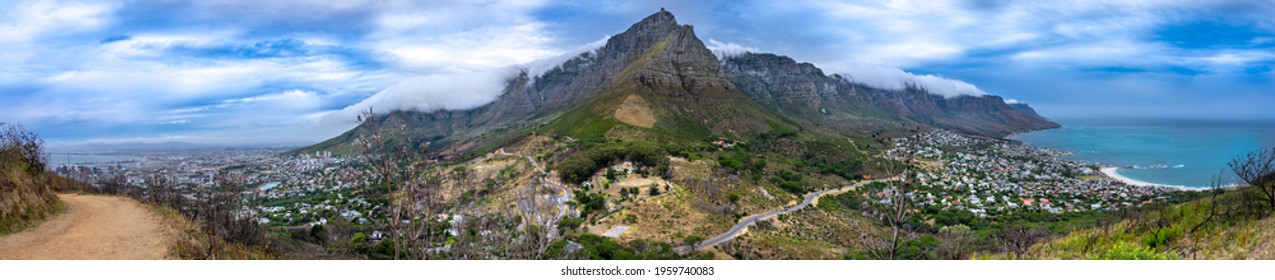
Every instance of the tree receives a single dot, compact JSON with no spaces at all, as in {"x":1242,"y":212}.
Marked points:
{"x":896,"y":208}
{"x":1257,"y":169}
{"x":399,"y":166}
{"x":1017,"y":239}
{"x":23,"y":144}
{"x":956,"y":241}
{"x":693,"y":241}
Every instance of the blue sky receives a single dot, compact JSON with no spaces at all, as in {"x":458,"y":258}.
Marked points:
{"x":282,"y":71}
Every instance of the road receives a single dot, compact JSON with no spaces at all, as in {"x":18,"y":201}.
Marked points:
{"x":742,"y":227}
{"x":94,"y":227}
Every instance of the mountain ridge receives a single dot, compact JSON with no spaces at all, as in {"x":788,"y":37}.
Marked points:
{"x":658,"y":77}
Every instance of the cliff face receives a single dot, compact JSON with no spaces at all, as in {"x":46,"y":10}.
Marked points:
{"x":659,"y":76}
{"x":803,"y":90}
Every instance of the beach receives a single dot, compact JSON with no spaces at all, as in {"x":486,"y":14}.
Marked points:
{"x":1111,"y":172}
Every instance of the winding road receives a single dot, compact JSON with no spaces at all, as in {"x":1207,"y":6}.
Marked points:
{"x":94,"y":227}
{"x":742,"y":227}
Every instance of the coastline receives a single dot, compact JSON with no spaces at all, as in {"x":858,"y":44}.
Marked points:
{"x":1110,"y":171}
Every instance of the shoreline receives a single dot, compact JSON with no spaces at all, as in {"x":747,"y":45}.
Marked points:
{"x":1110,"y":171}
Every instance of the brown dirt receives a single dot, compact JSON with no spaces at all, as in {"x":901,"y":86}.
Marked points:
{"x":94,"y":227}
{"x":636,"y":112}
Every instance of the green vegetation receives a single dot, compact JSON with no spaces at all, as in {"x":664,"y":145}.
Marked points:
{"x":1219,"y":227}
{"x":1123,"y":251}
{"x":593,"y":247}
{"x":26,"y":188}
{"x":578,"y":167}
{"x":590,"y":202}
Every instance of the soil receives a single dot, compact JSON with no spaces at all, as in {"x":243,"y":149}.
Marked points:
{"x":94,"y":227}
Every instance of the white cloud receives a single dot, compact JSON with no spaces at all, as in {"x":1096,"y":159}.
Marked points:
{"x":450,"y":91}
{"x":885,"y":77}
{"x":27,"y":20}
{"x":539,"y":67}
{"x":430,"y":93}
{"x":723,"y":50}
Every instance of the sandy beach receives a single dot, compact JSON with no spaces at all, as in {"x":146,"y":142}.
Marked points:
{"x":1111,"y":172}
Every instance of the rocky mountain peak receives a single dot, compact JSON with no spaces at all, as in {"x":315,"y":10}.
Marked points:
{"x":643,"y":35}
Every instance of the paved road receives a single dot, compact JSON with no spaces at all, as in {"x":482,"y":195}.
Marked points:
{"x":94,"y":227}
{"x":742,"y":227}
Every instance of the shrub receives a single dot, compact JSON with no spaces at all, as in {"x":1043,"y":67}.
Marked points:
{"x":792,"y":187}
{"x":730,"y":163}
{"x":578,"y":167}
{"x":1122,"y":251}
{"x":570,"y":222}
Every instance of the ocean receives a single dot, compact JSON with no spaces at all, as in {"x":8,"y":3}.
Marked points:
{"x":57,"y":159}
{"x":1182,"y":153}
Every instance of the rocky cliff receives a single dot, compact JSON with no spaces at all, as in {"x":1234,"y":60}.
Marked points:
{"x":804,"y":91}
{"x":658,"y":78}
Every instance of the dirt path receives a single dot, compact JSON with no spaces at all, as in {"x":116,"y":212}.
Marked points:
{"x":94,"y":227}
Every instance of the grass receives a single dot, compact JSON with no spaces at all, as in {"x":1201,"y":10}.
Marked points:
{"x":26,"y":198}
{"x":13,"y":223}
{"x":191,"y":242}
{"x":1172,"y":232}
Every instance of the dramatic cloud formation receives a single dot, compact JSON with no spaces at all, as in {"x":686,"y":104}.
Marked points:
{"x":252,"y":71}
{"x":430,"y":93}
{"x":723,"y":50}
{"x":895,"y":78}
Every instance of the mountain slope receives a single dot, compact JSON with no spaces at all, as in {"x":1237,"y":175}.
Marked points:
{"x":804,"y":91}
{"x":673,"y":80}
{"x":657,"y":79}
{"x":672,"y":89}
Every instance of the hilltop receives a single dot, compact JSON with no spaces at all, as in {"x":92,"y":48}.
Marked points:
{"x":659,"y":78}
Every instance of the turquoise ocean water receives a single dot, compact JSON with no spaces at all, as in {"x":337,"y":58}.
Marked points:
{"x":1187,"y":153}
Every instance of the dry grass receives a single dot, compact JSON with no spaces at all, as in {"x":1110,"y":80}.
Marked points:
{"x":26,"y":199}
{"x":635,"y":111}
{"x":1171,"y":231}
{"x":191,"y":242}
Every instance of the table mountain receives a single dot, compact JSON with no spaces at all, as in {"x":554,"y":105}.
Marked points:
{"x":658,"y":81}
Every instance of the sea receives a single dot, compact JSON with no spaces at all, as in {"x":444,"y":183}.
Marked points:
{"x":58,"y":159}
{"x":1179,"y":152}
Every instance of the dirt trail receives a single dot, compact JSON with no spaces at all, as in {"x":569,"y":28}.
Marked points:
{"x":94,"y":227}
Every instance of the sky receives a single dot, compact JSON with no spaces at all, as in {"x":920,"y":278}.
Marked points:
{"x":269,"y":72}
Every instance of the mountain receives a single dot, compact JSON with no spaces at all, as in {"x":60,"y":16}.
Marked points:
{"x":1022,"y":107}
{"x":804,"y":91}
{"x":657,"y":81}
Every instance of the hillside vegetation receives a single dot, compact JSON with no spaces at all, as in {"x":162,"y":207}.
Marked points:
{"x":1219,"y":227}
{"x":26,"y":190}
{"x":1232,"y":223}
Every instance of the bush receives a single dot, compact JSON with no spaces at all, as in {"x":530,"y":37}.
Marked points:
{"x":578,"y":167}
{"x":1122,"y":251}
{"x":600,"y":248}
{"x":1161,"y":237}
{"x":570,"y":222}
{"x":730,"y":163}
{"x":788,"y":175}
{"x":792,"y":187}
{"x":18,"y":143}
